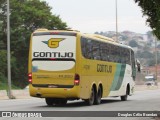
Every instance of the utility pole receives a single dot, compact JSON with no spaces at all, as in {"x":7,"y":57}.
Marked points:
{"x":8,"y":51}
{"x":116,"y":21}
{"x":156,"y":59}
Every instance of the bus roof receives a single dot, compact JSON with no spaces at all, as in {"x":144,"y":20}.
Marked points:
{"x":105,"y":39}
{"x":74,"y":32}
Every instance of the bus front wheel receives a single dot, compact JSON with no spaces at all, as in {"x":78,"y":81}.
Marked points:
{"x":125,"y":97}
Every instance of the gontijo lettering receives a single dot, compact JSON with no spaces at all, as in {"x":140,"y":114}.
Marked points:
{"x":53,"y":55}
{"x":104,"y":68}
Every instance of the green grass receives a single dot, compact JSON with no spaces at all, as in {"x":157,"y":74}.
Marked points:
{"x":4,"y":85}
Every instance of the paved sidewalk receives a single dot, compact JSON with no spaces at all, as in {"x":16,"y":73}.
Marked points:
{"x":18,"y":94}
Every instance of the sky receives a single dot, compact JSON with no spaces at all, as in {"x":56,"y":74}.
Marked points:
{"x":89,"y":16}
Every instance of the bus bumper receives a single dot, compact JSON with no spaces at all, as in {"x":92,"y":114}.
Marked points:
{"x":68,"y":93}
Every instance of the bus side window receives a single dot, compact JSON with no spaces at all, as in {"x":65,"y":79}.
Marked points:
{"x":84,"y":47}
{"x":96,"y":50}
{"x":87,"y":48}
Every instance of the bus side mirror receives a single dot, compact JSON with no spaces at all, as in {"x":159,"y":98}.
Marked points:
{"x":138,"y":66}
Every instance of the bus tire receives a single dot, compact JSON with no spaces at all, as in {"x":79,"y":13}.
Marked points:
{"x":49,"y":101}
{"x":125,"y":97}
{"x":98,"y":96}
{"x":62,"y":102}
{"x":91,"y":99}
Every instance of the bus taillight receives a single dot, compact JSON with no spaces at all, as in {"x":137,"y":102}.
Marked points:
{"x":30,"y":77}
{"x":76,"y":79}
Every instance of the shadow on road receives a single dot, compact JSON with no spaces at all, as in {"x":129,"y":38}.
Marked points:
{"x":81,"y":103}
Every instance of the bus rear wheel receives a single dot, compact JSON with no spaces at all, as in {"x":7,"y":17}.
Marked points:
{"x":55,"y":101}
{"x":90,"y":101}
{"x":61,"y":101}
{"x":49,"y":101}
{"x":98,"y":96}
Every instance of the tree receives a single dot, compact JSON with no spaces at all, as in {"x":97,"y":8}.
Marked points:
{"x":152,"y":62}
{"x":158,"y":46}
{"x":25,"y":17}
{"x":151,"y":9}
{"x":133,"y":43}
{"x":3,"y":64}
{"x":124,"y":37}
{"x":145,"y":55}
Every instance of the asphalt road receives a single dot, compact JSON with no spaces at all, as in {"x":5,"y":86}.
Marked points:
{"x":148,"y":100}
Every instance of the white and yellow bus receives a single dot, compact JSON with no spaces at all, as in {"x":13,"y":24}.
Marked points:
{"x":68,"y":65}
